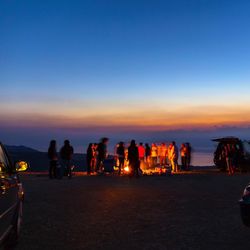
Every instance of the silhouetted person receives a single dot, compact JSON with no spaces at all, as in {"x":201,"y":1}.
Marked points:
{"x":94,"y":160}
{"x":183,"y":153}
{"x":154,"y":154}
{"x":133,"y":157}
{"x":102,"y":154}
{"x":163,"y":154}
{"x":188,"y":155}
{"x":173,"y":156}
{"x":120,"y":151}
{"x":141,"y":150}
{"x":229,"y":154}
{"x":90,"y":157}
{"x":147,"y":152}
{"x":53,"y":157}
{"x":66,"y":154}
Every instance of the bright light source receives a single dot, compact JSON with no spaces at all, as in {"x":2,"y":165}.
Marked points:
{"x":126,"y":169}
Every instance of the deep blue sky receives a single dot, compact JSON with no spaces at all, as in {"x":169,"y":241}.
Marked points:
{"x":96,"y":62}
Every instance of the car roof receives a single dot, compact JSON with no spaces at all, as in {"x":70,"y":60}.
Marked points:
{"x":229,"y":139}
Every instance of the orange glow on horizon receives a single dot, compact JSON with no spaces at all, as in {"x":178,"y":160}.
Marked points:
{"x":164,"y":118}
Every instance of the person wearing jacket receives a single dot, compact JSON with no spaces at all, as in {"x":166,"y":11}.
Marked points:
{"x":66,"y":154}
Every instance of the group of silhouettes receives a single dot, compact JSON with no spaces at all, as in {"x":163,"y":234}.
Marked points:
{"x":64,"y":167}
{"x":133,"y":155}
{"x":229,"y":154}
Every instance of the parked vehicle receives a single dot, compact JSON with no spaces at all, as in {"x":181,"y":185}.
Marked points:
{"x":11,"y":198}
{"x":242,"y":153}
{"x":245,"y":206}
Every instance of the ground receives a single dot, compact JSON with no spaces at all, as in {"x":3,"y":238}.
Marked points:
{"x":185,"y":211}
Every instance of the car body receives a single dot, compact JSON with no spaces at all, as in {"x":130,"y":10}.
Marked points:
{"x":242,"y":156}
{"x":245,"y":206}
{"x":11,"y":197}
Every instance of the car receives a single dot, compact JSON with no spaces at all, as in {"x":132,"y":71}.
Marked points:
{"x":242,"y":155}
{"x":11,"y":198}
{"x":245,"y":206}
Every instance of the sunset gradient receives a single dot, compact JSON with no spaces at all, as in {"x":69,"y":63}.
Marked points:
{"x":123,"y":66}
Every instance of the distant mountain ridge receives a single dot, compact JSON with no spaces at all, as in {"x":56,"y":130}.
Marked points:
{"x":20,"y":149}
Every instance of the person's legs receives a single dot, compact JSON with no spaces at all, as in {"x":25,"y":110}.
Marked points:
{"x":121,"y":164}
{"x":172,"y":165}
{"x":89,"y":166}
{"x":98,"y":164}
{"x":183,"y":162}
{"x":69,"y":170}
{"x":176,"y":164}
{"x":51,"y":169}
{"x":54,"y":164}
{"x":228,"y":166}
{"x":92,"y":165}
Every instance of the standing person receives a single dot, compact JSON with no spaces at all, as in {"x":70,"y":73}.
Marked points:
{"x":89,"y":157}
{"x":120,"y":151}
{"x":66,"y":154}
{"x":133,"y":157}
{"x":169,"y":154}
{"x":229,"y":154}
{"x":147,"y":152}
{"x":154,"y":154}
{"x":174,"y":157}
{"x":102,"y":154}
{"x":53,"y":157}
{"x":94,"y":160}
{"x":141,"y":150}
{"x":183,"y":153}
{"x":163,"y":154}
{"x":188,"y":155}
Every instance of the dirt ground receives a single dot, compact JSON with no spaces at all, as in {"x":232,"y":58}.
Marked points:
{"x":189,"y":211}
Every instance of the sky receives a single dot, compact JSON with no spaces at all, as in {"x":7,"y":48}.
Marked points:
{"x":85,"y":69}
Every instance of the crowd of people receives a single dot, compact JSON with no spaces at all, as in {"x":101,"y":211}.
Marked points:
{"x":132,"y":156}
{"x":161,"y":154}
{"x":230,"y":155}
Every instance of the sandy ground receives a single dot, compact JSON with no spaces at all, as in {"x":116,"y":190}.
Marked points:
{"x":188,"y":211}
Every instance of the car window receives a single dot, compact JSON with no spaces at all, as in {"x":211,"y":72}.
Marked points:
{"x":246,"y":147}
{"x":4,"y":163}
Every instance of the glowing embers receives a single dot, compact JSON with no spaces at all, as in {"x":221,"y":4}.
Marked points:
{"x":126,"y":169}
